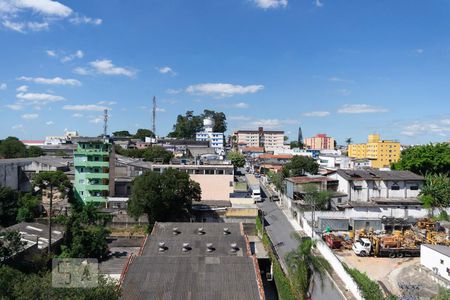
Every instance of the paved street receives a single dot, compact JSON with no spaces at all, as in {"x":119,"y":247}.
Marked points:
{"x":279,"y":230}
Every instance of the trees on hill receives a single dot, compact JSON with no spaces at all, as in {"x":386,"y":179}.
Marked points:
{"x":432,"y":158}
{"x":153,"y":154}
{"x":11,"y":147}
{"x":186,"y":126}
{"x":163,"y":196}
{"x":143,"y":133}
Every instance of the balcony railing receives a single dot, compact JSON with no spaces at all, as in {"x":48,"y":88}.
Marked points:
{"x":91,"y":164}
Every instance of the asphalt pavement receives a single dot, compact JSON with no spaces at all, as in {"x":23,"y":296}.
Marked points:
{"x":279,"y":230}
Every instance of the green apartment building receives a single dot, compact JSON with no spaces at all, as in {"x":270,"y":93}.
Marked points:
{"x":91,"y":162}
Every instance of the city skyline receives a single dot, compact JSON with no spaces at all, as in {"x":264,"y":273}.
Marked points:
{"x":344,"y":69}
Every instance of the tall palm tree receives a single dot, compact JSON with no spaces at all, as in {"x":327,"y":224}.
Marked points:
{"x":302,"y":264}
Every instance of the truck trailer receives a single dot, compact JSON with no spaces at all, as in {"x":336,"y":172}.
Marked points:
{"x":366,"y":247}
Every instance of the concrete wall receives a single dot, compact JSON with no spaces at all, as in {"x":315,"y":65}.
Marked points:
{"x":12,"y":176}
{"x":214,"y":187}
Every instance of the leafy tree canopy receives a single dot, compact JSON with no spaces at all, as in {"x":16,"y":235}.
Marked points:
{"x":154,"y":153}
{"x":34,"y":151}
{"x":163,"y":196}
{"x":28,"y":208}
{"x":52,"y":179}
{"x":436,"y":191}
{"x":142,"y":133}
{"x":299,"y":165}
{"x":8,"y":206}
{"x":11,"y":147}
{"x":9,"y":244}
{"x":432,"y":158}
{"x":237,"y":159}
{"x":121,"y":133}
{"x":188,"y":125}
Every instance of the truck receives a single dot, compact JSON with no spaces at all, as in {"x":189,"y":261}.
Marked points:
{"x":253,"y":187}
{"x":366,"y":247}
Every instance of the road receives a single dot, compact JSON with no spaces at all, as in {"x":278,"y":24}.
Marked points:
{"x":279,"y":230}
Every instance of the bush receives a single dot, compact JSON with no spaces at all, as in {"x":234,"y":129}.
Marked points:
{"x":370,"y":290}
{"x":281,"y":281}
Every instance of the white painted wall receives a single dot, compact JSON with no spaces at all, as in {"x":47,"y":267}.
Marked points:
{"x":437,"y":262}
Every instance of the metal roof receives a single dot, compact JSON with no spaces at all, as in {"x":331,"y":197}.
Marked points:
{"x":439,"y":248}
{"x":373,"y":174}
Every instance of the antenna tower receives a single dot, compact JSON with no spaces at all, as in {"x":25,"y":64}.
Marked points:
{"x":105,"y":123}
{"x":154,"y":116}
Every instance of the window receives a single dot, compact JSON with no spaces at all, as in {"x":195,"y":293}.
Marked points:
{"x":414,"y":187}
{"x":339,"y":200}
{"x":357,"y":188}
{"x":442,"y":261}
{"x":81,"y":181}
{"x":395,"y":187}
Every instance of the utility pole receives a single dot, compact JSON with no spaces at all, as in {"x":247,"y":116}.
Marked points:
{"x":154,"y":116}
{"x":49,"y":184}
{"x":105,"y":123}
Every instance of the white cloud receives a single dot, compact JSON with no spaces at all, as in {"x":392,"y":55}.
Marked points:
{"x":52,"y":81}
{"x":107,"y":102}
{"x":77,"y":115}
{"x":39,"y":97}
{"x":360,"y":109}
{"x":15,"y":106}
{"x":272,"y":123}
{"x":173,"y":91}
{"x":49,"y":123}
{"x":241,"y":105}
{"x":77,"y":20}
{"x":30,"y":116}
{"x":159,"y":109}
{"x":96,"y":120}
{"x":166,"y":70}
{"x":317,"y":114}
{"x":344,"y":92}
{"x":85,"y":107}
{"x":222,"y":89}
{"x":436,"y":127}
{"x":105,"y":66}
{"x":37,"y":26}
{"x":265,"y":4}
{"x":17,"y":127}
{"x":3,"y":86}
{"x":70,"y":57}
{"x":239,"y":118}
{"x":81,"y":71}
{"x":44,"y":7}
{"x":16,"y":26}
{"x":50,"y":53}
{"x":22,"y":88}
{"x":338,"y":79}
{"x":317,"y":3}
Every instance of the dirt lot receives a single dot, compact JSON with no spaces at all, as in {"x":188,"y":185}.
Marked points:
{"x":390,"y":271}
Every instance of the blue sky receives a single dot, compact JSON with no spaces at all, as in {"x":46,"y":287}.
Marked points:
{"x":345,"y":68}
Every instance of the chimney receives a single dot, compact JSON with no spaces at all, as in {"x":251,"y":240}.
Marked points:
{"x":209,"y":247}
{"x":162,"y":247}
{"x":226,"y":231}
{"x":186,"y":247}
{"x":200,"y":231}
{"x":234,"y":247}
{"x":175,"y":231}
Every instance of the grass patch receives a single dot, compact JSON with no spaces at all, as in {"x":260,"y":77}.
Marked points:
{"x":240,"y":186}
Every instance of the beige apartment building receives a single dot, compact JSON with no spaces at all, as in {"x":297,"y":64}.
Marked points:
{"x":269,"y":139}
{"x":320,"y":142}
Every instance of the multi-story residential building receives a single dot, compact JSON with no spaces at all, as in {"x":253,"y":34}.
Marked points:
{"x":320,"y":142}
{"x":381,"y":152}
{"x":269,"y":139}
{"x":380,"y":187}
{"x":92,"y":164}
{"x":215,"y":139}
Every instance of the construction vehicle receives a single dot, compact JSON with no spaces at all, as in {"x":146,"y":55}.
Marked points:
{"x":333,"y":241}
{"x":387,"y":246}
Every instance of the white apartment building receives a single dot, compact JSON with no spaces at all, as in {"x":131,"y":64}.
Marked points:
{"x":437,"y":259}
{"x":269,"y":139}
{"x":215,"y":139}
{"x":380,"y":187}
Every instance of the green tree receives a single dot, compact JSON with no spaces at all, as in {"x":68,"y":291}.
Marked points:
{"x":28,"y":208}
{"x":425,"y":159}
{"x":348,"y":141}
{"x":302,"y":264}
{"x":316,"y":198}
{"x":8,"y":206}
{"x":370,"y":289}
{"x":163,"y":197}
{"x":299,"y":165}
{"x":443,"y":294}
{"x":86,"y":232}
{"x":220,"y":120}
{"x":121,"y":133}
{"x":294,"y":144}
{"x":20,"y":286}
{"x":10,"y":243}
{"x":237,"y":159}
{"x":276,"y":179}
{"x":52,"y":180}
{"x":187,"y":126}
{"x":34,"y":151}
{"x":157,"y":154}
{"x":11,"y":147}
{"x":436,"y":192}
{"x":143,"y":133}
